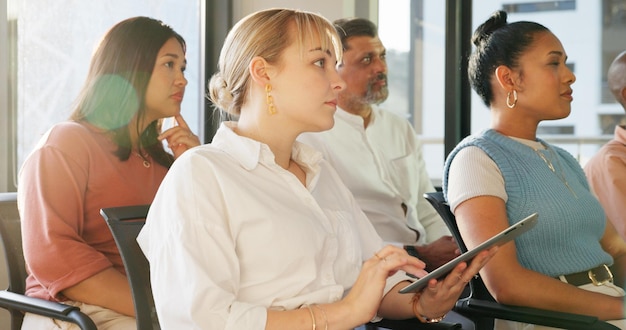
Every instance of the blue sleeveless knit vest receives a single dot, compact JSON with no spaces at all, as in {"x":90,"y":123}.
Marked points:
{"x":571,"y":224}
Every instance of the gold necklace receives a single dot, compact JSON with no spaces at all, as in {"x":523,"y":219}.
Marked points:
{"x":146,"y":163}
{"x":551,"y":166}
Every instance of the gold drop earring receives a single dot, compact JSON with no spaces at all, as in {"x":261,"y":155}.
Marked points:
{"x":271,"y":109}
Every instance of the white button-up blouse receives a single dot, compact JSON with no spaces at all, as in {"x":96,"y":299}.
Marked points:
{"x":231,"y":233}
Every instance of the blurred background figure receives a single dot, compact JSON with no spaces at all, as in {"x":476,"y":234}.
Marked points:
{"x":606,"y":170}
{"x":377,"y":153}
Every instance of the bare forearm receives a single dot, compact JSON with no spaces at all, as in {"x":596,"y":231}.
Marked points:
{"x":396,"y":305}
{"x":363,"y":301}
{"x":109,"y":289}
{"x":438,"y":252}
{"x":332,"y":316}
{"x":543,"y":292}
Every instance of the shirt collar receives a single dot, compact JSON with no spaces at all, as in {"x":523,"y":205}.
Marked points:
{"x":249,"y":153}
{"x":353,"y":119}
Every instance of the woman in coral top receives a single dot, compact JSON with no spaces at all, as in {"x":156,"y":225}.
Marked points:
{"x":110,"y":153}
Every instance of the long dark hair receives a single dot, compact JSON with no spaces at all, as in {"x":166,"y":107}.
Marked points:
{"x":115,"y":88}
{"x":498,"y":43}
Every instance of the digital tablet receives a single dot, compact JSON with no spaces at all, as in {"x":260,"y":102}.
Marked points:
{"x":504,"y":236}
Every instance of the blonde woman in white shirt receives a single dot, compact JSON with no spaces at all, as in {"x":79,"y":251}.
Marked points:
{"x":256,"y":231}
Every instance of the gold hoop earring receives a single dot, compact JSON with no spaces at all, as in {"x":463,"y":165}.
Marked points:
{"x":271,"y":109}
{"x":508,"y":96}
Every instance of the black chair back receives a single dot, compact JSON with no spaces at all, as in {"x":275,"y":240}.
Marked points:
{"x":125,"y":223}
{"x":438,"y":201}
{"x":11,"y":235}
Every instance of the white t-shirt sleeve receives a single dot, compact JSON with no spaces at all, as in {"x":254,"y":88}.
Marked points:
{"x":473,"y":173}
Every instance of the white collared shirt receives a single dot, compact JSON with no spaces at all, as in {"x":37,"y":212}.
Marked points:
{"x":384,"y":168}
{"x":231,"y":233}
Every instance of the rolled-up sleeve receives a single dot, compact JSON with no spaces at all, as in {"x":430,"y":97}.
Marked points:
{"x":51,"y":202}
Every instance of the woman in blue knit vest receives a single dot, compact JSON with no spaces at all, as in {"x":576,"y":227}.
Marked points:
{"x":503,"y":174}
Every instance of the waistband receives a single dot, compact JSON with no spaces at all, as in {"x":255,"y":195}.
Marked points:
{"x":597,"y":276}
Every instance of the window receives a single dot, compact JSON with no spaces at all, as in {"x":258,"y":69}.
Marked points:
{"x":50,"y":44}
{"x":48,"y":71}
{"x":413,"y":31}
{"x":591,"y":48}
{"x":613,"y":30}
{"x":530,"y":7}
{"x":416,"y":68}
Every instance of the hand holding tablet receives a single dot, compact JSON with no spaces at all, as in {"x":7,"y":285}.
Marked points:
{"x":501,"y":238}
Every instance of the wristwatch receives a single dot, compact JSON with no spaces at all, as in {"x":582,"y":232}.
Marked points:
{"x":411,"y":250}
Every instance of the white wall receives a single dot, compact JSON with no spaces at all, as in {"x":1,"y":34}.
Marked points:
{"x":4,"y":103}
{"x":4,"y":63}
{"x":331,"y":9}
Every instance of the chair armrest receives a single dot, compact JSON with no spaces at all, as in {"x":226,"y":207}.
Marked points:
{"x":10,"y":300}
{"x":414,"y":324}
{"x":492,"y":309}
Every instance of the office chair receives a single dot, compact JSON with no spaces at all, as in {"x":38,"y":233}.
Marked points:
{"x":13,"y":298}
{"x":125,"y":223}
{"x":482,"y":308}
